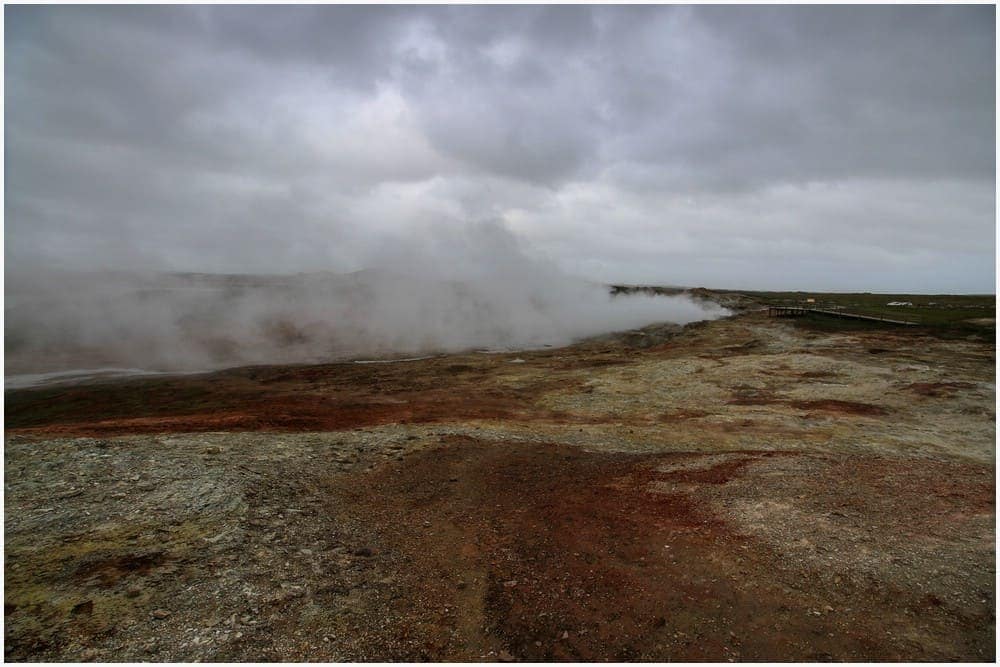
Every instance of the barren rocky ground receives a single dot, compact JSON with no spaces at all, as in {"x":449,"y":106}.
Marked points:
{"x":742,"y":489}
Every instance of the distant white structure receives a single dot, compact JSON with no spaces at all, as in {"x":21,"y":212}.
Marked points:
{"x":899,"y":303}
{"x":810,"y":300}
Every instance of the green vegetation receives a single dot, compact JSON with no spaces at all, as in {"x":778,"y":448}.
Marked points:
{"x":940,"y":314}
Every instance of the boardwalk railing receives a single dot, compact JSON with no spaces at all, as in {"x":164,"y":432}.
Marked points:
{"x":798,"y":311}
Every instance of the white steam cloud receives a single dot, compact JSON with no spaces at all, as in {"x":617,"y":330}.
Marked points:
{"x":466,"y":287}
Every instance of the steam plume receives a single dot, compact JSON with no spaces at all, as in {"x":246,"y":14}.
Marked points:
{"x":467,"y":287}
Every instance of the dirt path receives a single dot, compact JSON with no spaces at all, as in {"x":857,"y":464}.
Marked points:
{"x":582,"y":556}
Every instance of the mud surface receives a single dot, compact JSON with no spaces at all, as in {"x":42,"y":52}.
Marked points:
{"x":737,"y":490}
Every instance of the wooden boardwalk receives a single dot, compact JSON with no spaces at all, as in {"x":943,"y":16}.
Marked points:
{"x":798,"y":311}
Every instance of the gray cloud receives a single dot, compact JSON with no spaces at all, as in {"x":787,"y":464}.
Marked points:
{"x":847,"y":147}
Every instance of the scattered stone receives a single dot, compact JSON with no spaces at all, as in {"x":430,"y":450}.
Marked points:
{"x":160,"y":614}
{"x":247,"y":581}
{"x":85,"y":608}
{"x":505,"y":656}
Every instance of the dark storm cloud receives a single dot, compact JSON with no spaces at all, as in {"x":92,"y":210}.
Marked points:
{"x":662,"y":144}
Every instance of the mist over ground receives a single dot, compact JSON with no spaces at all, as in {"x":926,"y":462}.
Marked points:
{"x":470,"y":288}
{"x":334,"y":162}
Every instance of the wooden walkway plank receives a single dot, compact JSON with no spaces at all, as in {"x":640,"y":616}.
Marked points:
{"x":798,"y":311}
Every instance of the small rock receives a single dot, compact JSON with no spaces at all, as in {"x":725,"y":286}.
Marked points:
{"x":510,"y":584}
{"x":133,"y":591}
{"x":85,"y":608}
{"x":364,"y":552}
{"x":564,"y":635}
{"x":89,"y":654}
{"x":460,"y":585}
{"x":160,"y":613}
{"x":505,"y":656}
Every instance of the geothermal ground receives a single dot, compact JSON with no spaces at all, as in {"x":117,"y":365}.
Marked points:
{"x":742,"y":489}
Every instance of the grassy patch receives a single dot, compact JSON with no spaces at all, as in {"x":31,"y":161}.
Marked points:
{"x":926,"y":309}
{"x":815,"y":322}
{"x":938,"y":315}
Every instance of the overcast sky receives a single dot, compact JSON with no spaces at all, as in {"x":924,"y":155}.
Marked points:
{"x":779,"y":147}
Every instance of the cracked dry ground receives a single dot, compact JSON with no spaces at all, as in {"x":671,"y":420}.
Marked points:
{"x":736,"y":490}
